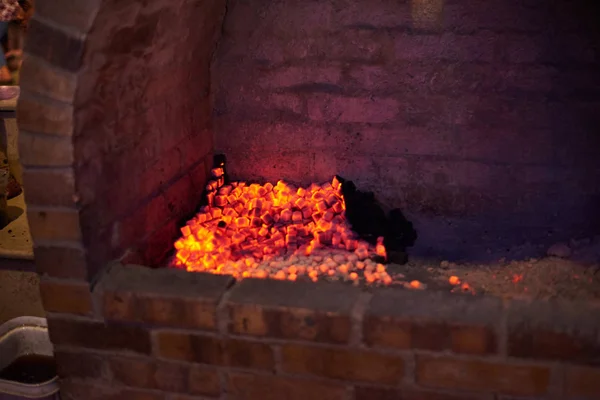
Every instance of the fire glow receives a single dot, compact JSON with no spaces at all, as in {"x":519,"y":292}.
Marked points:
{"x":277,"y":231}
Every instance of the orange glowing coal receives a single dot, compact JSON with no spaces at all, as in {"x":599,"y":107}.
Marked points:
{"x":277,"y":231}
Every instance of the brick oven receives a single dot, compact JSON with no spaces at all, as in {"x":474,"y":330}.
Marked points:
{"x":478,"y":120}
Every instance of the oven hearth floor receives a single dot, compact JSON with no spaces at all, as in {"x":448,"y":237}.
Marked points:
{"x":542,"y":278}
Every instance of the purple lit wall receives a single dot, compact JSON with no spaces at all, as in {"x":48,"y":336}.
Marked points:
{"x":480,"y":119}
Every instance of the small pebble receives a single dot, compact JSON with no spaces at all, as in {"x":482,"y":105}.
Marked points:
{"x":338,"y":258}
{"x":416,"y":285}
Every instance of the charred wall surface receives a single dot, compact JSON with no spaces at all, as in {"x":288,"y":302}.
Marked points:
{"x":478,"y":119}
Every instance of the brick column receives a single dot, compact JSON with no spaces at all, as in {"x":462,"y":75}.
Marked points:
{"x":90,"y":131}
{"x":52,"y":61}
{"x":116,"y":130}
{"x":53,"y":58}
{"x":170,"y":335}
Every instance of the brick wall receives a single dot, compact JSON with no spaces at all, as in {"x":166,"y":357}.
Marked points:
{"x":116,"y":127}
{"x":166,"y":334}
{"x":458,"y":111}
{"x":115,"y":136}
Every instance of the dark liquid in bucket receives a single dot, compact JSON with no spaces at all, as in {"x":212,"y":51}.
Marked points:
{"x":31,"y":369}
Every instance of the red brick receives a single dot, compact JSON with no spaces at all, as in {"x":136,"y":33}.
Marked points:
{"x":583,"y":382}
{"x":181,"y":197}
{"x":292,"y":310}
{"x":427,"y":16}
{"x":257,"y":135}
{"x":295,"y":76}
{"x":284,"y":102}
{"x":165,"y":297}
{"x":196,"y":147}
{"x":449,"y":373}
{"x":77,"y":390}
{"x":473,"y":339}
{"x":166,"y":376}
{"x":98,"y":335}
{"x":450,"y":201}
{"x":324,"y":107}
{"x":203,"y":381}
{"x":252,"y":166}
{"x":185,"y":397}
{"x":268,"y":387}
{"x":378,"y":13}
{"x":50,"y":82}
{"x":360,"y":167}
{"x":545,"y":344}
{"x":50,"y":187}
{"x":199,"y":173}
{"x":148,"y":217}
{"x":66,"y":297}
{"x":57,"y":224}
{"x":160,"y":173}
{"x":100,"y":210}
{"x":154,"y":164}
{"x":525,"y":48}
{"x":356,"y":365}
{"x":149,"y":374}
{"x":505,"y":145}
{"x":432,"y":321}
{"x":448,"y":46}
{"x":346,"y":45}
{"x":40,"y":150}
{"x":261,"y":105}
{"x":79,"y":15}
{"x":378,"y":78}
{"x":289,"y":20}
{"x":119,"y":306}
{"x":61,"y":262}
{"x":578,"y":83}
{"x":70,"y":364}
{"x":42,"y":116}
{"x":178,"y":312}
{"x":158,"y":246}
{"x":373,"y":393}
{"x":132,"y":394}
{"x":404,"y":139}
{"x":499,"y":15}
{"x":520,"y":114}
{"x":55,"y":46}
{"x":554,"y":331}
{"x":215,"y":351}
{"x":459,"y":173}
{"x":146,"y":226}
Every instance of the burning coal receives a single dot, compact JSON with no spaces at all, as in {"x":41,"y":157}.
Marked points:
{"x":278,"y":231}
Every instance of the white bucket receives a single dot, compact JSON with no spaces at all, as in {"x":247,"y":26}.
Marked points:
{"x":19,"y":337}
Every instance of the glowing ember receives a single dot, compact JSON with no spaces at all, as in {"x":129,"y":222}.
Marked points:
{"x":277,"y":231}
{"x":417,"y":285}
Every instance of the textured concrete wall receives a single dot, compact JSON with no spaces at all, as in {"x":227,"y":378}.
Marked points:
{"x":116,"y":127}
{"x":478,"y":118}
{"x":145,"y":123}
